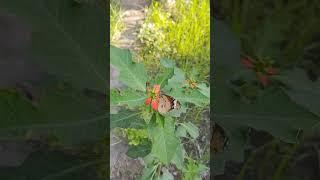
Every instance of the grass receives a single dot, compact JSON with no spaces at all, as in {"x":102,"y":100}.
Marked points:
{"x":116,"y":23}
{"x":180,"y":32}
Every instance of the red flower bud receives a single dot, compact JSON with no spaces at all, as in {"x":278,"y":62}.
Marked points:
{"x":154,"y":104}
{"x":262,"y":78}
{"x":247,"y":63}
{"x":148,"y":101}
{"x":156,"y":89}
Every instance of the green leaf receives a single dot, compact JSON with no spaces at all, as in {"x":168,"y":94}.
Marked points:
{"x":162,"y":78}
{"x":131,"y":74}
{"x":65,"y":39}
{"x":204,"y":89}
{"x":192,"y":130}
{"x":128,"y":97}
{"x":181,"y":131}
{"x":190,"y":96}
{"x":178,"y":157}
{"x":140,"y":150}
{"x":301,"y":90}
{"x":148,"y":172}
{"x":126,"y":119}
{"x":175,"y":89}
{"x":65,"y":113}
{"x":49,"y":165}
{"x":164,"y":140}
{"x":177,"y":80}
{"x":227,"y":46}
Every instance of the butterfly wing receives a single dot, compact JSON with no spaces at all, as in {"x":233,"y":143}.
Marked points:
{"x":165,"y":104}
{"x":218,"y":140}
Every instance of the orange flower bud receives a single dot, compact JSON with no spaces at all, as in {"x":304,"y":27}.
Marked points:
{"x":154,"y":104}
{"x":247,"y":63}
{"x":263,"y":79}
{"x":156,"y":89}
{"x":148,"y":101}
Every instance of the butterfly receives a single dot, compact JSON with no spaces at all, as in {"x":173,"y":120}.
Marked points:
{"x":219,"y":140}
{"x":167,"y":103}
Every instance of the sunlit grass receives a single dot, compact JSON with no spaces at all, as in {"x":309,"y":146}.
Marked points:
{"x":116,"y":23}
{"x":180,"y":32}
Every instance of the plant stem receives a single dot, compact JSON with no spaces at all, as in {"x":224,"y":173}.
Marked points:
{"x":284,"y":162}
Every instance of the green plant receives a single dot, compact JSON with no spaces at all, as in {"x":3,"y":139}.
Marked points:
{"x":135,"y":136}
{"x":116,"y":21}
{"x":285,"y":107}
{"x":180,"y":32}
{"x":192,"y":170}
{"x":164,"y":131}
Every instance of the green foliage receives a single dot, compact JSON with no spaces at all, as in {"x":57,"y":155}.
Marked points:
{"x":131,"y":74}
{"x":61,"y":111}
{"x":278,"y":109}
{"x":301,"y":90}
{"x":65,"y":44}
{"x":135,"y":136}
{"x":62,"y":166}
{"x":155,"y":134}
{"x":116,"y":21}
{"x":180,"y":32}
{"x":192,"y":170}
{"x":128,"y":97}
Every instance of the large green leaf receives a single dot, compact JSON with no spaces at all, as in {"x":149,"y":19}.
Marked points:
{"x":302,"y":90}
{"x":140,"y":150}
{"x":128,"y":97}
{"x":178,"y":157}
{"x":163,"y":77}
{"x":192,"y":130}
{"x":67,"y":39}
{"x":126,"y":119}
{"x":226,"y":49}
{"x":131,"y":74}
{"x":165,"y":142}
{"x":65,"y":113}
{"x":49,"y":165}
{"x":191,"y":96}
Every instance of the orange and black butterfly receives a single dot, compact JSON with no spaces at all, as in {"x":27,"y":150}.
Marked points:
{"x":219,"y":139}
{"x":166,"y":103}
